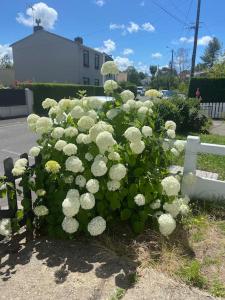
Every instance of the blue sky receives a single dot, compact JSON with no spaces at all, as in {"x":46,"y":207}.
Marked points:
{"x":135,"y":32}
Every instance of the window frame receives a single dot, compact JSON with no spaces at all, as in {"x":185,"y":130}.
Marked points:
{"x":86,"y":54}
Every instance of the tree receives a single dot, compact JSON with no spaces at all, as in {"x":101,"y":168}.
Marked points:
{"x":134,"y":76}
{"x":211,"y":53}
{"x":5,"y":62}
{"x":182,"y":59}
{"x":218,"y":70}
{"x":153,"y":70}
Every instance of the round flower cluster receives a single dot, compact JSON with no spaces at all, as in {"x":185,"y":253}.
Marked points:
{"x":109,"y":67}
{"x":153,"y":93}
{"x":34,"y":151}
{"x":20,"y":167}
{"x":48,"y":103}
{"x":52,"y":166}
{"x":5,"y":227}
{"x":171,"y":186}
{"x":40,"y":211}
{"x":127,"y":95}
{"x":110,"y":86}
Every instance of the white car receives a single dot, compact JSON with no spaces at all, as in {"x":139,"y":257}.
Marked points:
{"x":140,"y":90}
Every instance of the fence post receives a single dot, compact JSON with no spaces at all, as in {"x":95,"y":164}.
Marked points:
{"x":29,"y":100}
{"x":191,"y":152}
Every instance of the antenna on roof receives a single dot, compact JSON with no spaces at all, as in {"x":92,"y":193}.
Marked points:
{"x":33,"y":9}
{"x":38,"y":22}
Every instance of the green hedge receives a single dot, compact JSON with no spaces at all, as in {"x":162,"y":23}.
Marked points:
{"x":58,"y":91}
{"x":211,"y":89}
{"x":185,"y":113}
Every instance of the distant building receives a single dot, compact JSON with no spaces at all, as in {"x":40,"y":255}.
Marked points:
{"x":46,"y":57}
{"x":122,"y":76}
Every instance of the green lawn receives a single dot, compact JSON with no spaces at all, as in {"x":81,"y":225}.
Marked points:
{"x":208,"y":162}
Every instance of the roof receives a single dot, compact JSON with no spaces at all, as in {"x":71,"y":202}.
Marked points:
{"x":53,"y":34}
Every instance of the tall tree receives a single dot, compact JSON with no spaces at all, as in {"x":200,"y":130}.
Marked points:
{"x":153,"y":70}
{"x":182,"y":59}
{"x":211,"y":53}
{"x":5,"y":62}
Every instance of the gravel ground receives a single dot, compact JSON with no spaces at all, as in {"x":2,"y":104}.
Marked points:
{"x":42,"y":269}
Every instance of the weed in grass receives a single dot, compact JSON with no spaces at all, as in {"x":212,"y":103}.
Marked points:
{"x":221,"y":226}
{"x":208,"y":261}
{"x":191,"y":274}
{"x":217,"y":288}
{"x":119,"y":293}
{"x":133,"y":278}
{"x":198,"y":236}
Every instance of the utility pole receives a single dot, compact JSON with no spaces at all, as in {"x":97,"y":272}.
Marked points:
{"x":171,"y":68}
{"x":195,"y":39}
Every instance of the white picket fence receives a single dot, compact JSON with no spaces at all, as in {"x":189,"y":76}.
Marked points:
{"x":202,"y":188}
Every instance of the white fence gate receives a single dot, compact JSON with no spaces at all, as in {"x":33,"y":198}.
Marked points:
{"x":202,"y":188}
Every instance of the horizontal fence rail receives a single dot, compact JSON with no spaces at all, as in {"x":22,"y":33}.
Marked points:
{"x":215,"y":110}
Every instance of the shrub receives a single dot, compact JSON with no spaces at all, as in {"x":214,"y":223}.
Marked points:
{"x":99,"y":164}
{"x":211,"y":89}
{"x":58,"y":91}
{"x":126,"y":85}
{"x":185,"y":113}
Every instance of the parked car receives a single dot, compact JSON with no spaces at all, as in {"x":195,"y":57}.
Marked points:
{"x":140,"y":90}
{"x":167,"y":93}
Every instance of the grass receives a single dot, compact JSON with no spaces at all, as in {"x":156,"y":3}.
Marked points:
{"x":209,"y":162}
{"x":119,"y":293}
{"x":218,"y":288}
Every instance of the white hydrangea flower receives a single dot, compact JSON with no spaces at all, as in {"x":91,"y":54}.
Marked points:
{"x":69,"y":179}
{"x":34,"y":151}
{"x":125,"y":107}
{"x":73,"y":194}
{"x":148,"y":104}
{"x":131,"y":103}
{"x":150,"y":111}
{"x":175,"y":152}
{"x":44,"y":125}
{"x":167,"y":224}
{"x":179,"y":145}
{"x":41,"y":211}
{"x":70,"y":225}
{"x":73,"y":164}
{"x":54,"y":111}
{"x":139,"y":199}
{"x":105,"y":141}
{"x":117,"y":172}
{"x":80,"y":181}
{"x":139,"y":104}
{"x":86,"y":139}
{"x":99,"y":127}
{"x":85,"y":123}
{"x":114,"y":156}
{"x":87,"y":201}
{"x":77,"y":112}
{"x":31,"y":121}
{"x":48,"y":103}
{"x":146,"y":131}
{"x":184,"y":209}
{"x":40,"y":193}
{"x":171,"y":133}
{"x":101,"y":157}
{"x":110,"y":86}
{"x":156,"y":204}
{"x":113,"y":185}
{"x":109,"y":67}
{"x":80,"y":138}
{"x":92,"y":186}
{"x":138,"y":147}
{"x":133,"y":134}
{"x":70,"y":149}
{"x":60,"y":144}
{"x":170,"y":125}
{"x":89,"y":156}
{"x":142,"y":111}
{"x":5,"y":227}
{"x":152,"y":93}
{"x":70,"y":207}
{"x":57,"y":132}
{"x":70,"y":131}
{"x":99,"y":168}
{"x":127,"y":95}
{"x":171,"y":186}
{"x":20,"y":167}
{"x":75,"y":102}
{"x":173,"y":208}
{"x":96,"y":226}
{"x":92,"y":114}
{"x":112,"y":113}
{"x":65,"y":104}
{"x":93,"y":103}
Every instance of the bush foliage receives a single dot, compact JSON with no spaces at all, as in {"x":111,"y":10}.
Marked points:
{"x":211,"y":89}
{"x":184,"y":112}
{"x":58,"y":91}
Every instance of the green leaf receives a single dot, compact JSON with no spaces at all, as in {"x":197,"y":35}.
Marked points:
{"x":138,"y":226}
{"x":125,"y":214}
{"x":19,"y":215}
{"x":133,"y":190}
{"x":138,"y":172}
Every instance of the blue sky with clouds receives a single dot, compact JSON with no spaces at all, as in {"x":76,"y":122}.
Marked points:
{"x":135,"y":32}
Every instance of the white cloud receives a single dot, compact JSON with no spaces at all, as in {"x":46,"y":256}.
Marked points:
{"x":41,"y":10}
{"x":142,"y":3}
{"x":128,"y":51}
{"x":141,"y":67}
{"x":123,"y":62}
{"x":5,"y":50}
{"x":132,"y":27}
{"x":100,"y":3}
{"x":203,"y":41}
{"x":156,"y":55}
{"x":148,"y":27}
{"x":108,"y":46}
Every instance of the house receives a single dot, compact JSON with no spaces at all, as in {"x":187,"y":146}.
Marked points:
{"x":121,"y":77}
{"x":47,"y":57}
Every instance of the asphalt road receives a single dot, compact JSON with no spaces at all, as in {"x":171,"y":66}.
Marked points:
{"x":15,"y":139}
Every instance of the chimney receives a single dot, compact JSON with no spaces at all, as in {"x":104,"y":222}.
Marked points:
{"x":78,"y":40}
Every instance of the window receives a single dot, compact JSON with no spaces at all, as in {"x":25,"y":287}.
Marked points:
{"x":86,"y":80}
{"x":86,"y":58}
{"x":96,"y":61}
{"x":97,"y":82}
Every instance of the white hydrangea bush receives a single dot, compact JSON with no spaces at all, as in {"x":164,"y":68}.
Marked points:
{"x":100,"y":163}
